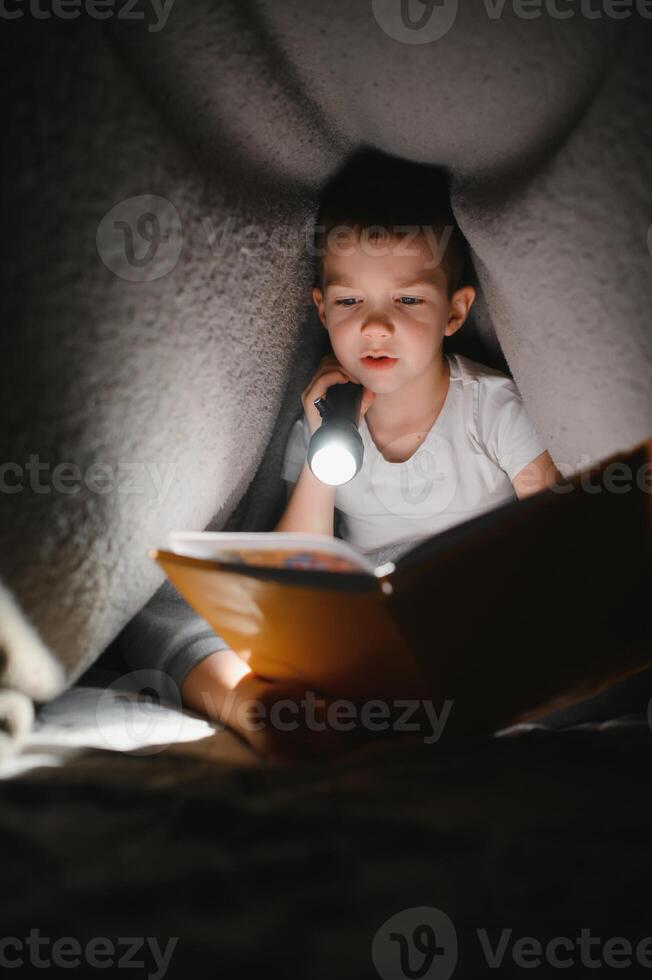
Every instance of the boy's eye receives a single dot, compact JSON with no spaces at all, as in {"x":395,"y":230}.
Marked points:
{"x":411,"y":301}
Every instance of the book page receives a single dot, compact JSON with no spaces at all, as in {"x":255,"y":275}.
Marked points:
{"x":290,"y":550}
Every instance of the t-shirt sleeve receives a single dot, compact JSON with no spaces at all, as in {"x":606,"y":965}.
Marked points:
{"x":296,"y":450}
{"x":167,"y":637}
{"x":509,"y":437}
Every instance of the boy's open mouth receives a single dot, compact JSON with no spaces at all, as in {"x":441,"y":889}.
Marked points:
{"x":377,"y":362}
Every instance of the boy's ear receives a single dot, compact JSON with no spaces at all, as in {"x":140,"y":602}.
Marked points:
{"x":460,"y":305}
{"x":318,"y":300}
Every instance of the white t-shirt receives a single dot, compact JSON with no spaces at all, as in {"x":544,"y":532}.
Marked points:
{"x":480,"y":440}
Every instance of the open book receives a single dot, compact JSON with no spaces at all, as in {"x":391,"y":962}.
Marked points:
{"x":530,"y":606}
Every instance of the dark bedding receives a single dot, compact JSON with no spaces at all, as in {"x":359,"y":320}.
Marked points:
{"x":292,"y":870}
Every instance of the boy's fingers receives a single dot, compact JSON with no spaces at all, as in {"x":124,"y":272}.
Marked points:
{"x":312,"y":732}
{"x":334,"y":372}
{"x":321,"y":375}
{"x":320,"y":385}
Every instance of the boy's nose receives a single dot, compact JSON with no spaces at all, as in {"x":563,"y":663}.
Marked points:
{"x":377,"y":327}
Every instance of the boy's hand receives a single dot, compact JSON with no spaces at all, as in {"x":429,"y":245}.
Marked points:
{"x":330,"y":372}
{"x":285,"y":723}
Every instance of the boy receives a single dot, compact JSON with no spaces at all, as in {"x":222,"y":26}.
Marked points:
{"x":445,"y":437}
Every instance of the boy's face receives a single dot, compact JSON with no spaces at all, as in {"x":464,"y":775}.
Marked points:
{"x":390,"y":296}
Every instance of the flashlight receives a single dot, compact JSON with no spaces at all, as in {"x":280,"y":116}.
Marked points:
{"x":336,"y":450}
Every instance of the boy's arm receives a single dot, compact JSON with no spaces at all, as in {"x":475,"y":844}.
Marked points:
{"x":225,"y":689}
{"x":167,"y":638}
{"x":208,"y":687}
{"x":185,"y":661}
{"x":539,"y":474}
{"x":310,"y":506}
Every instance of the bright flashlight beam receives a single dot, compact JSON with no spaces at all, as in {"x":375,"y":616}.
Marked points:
{"x":333,"y":464}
